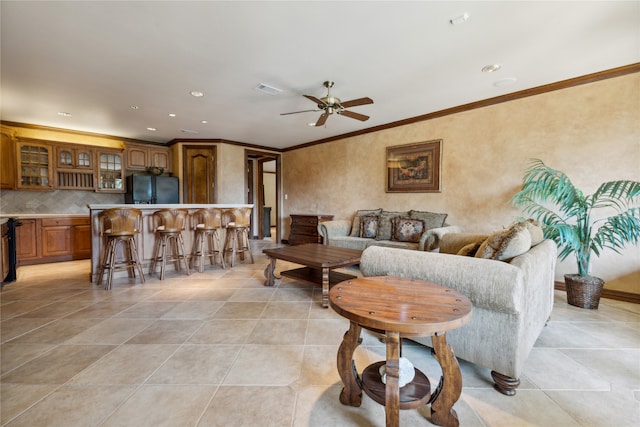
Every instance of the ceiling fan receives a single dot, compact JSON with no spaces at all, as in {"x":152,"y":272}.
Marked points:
{"x":330,"y":104}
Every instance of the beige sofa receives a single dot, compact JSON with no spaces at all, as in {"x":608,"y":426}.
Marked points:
{"x":512,"y":301}
{"x":345,"y":233}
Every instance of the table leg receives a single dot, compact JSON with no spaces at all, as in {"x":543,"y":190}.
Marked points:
{"x":352,"y":391}
{"x":392,"y":387}
{"x":269,"y":272}
{"x":325,"y":287}
{"x":450,"y":387}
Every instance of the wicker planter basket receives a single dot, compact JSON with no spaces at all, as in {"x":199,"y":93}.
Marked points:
{"x":583,"y":291}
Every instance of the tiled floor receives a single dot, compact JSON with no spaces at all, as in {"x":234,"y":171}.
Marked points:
{"x":220,"y":349}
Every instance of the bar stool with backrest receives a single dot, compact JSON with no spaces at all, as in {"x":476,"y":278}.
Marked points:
{"x":118,"y":227}
{"x":169,"y":225}
{"x":206,"y":223}
{"x":237,"y":222}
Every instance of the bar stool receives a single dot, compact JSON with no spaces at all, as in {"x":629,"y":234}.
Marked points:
{"x":237,"y":222}
{"x":119,"y":226}
{"x":169,"y":224}
{"x":206,"y":242}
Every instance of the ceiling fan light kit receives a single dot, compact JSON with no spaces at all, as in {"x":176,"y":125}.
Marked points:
{"x":330,"y":104}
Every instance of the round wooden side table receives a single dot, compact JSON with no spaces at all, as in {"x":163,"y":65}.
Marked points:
{"x":399,"y":308}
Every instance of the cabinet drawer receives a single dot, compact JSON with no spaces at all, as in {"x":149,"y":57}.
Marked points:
{"x":303,"y":220}
{"x":56,"y":222}
{"x":310,"y":230}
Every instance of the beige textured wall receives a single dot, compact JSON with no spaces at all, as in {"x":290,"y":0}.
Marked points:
{"x":591,"y":132}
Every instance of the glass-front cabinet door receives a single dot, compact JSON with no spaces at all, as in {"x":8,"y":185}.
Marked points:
{"x":110,"y":171}
{"x":35,"y":171}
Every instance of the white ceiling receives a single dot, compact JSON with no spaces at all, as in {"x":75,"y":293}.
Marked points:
{"x":97,"y":59}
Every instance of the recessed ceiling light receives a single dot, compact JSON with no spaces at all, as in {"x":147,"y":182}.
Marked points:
{"x":459,"y":19}
{"x":64,"y":114}
{"x":505,"y":82}
{"x":152,"y":129}
{"x":134,"y":107}
{"x":491,"y":68}
{"x":268,"y":89}
{"x":172,"y":114}
{"x":311,"y":124}
{"x":204,"y":122}
{"x":196,"y":93}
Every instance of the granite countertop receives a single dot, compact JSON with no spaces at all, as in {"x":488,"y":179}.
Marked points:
{"x":40,"y":215}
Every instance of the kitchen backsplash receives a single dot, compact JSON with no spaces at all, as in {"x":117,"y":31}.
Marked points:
{"x":54,"y":202}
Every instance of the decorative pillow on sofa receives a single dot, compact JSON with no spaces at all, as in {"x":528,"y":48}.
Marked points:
{"x":470,"y":249}
{"x":407,"y":229}
{"x":385,"y":226}
{"x":430,"y":219}
{"x":535,"y":229}
{"x":355,"y":227}
{"x":506,"y":244}
{"x":369,"y":226}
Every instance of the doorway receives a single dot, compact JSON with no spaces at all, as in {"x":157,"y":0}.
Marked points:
{"x":200,"y":173}
{"x":263,"y":182}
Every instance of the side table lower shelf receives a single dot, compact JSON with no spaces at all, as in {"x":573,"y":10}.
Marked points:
{"x":412,"y":395}
{"x":314,"y":275}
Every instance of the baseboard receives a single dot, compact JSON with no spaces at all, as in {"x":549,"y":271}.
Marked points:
{"x":609,"y":293}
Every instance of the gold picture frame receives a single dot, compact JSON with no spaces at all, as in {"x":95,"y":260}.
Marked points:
{"x":414,"y":168}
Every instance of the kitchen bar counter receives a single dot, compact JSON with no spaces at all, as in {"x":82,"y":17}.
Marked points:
{"x":146,"y":239}
{"x":40,"y":216}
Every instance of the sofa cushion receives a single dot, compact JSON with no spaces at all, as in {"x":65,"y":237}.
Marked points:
{"x":430,"y":219}
{"x":369,"y":226}
{"x":384,"y":224}
{"x":407,"y":229}
{"x":470,"y":249}
{"x":506,"y":244}
{"x":355,"y":227}
{"x":452,"y":243}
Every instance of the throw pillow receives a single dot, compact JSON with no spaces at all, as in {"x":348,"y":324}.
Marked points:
{"x":535,"y":229}
{"x":369,"y":226}
{"x":385,"y":226}
{"x":506,"y":244}
{"x":355,"y":227}
{"x":407,"y":229}
{"x":430,"y":219}
{"x":470,"y":249}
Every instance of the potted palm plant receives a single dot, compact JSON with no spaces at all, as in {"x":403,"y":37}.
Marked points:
{"x":569,"y":217}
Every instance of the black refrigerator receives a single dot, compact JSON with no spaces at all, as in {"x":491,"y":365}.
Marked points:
{"x":151,"y":189}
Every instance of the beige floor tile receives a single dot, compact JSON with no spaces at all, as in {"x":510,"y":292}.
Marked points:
{"x":193,"y":310}
{"x":14,"y":355}
{"x":595,"y":409}
{"x":301,"y":293}
{"x":326,"y":331}
{"x":126,"y":364}
{"x":286,"y":310}
{"x":111,"y":331}
{"x":100,"y":310}
{"x":177,"y":405}
{"x":621,"y":367}
{"x":223,"y":331}
{"x":56,"y":332}
{"x":240,"y":310}
{"x":551,"y":369}
{"x":14,"y":308}
{"x":196,"y":364}
{"x":266,"y":365}
{"x":212,"y":294}
{"x":279,"y":331}
{"x":168,"y":331}
{"x":58,"y":365}
{"x":58,"y":309}
{"x":239,"y":406}
{"x":15,"y":327}
{"x":71,"y":406}
{"x":15,"y":398}
{"x":252,"y":294}
{"x":148,"y":310}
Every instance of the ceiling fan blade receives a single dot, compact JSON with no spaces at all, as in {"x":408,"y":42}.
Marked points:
{"x":355,"y":102}
{"x":323,"y":118}
{"x":353,"y":115}
{"x":296,"y":112}
{"x":314,"y":99}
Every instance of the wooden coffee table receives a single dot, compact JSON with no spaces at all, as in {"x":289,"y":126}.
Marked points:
{"x":399,"y":308}
{"x":319,"y":260}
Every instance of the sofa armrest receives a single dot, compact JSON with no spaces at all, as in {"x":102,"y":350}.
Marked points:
{"x":329,"y":229}
{"x":494,"y":285}
{"x":430,"y":239}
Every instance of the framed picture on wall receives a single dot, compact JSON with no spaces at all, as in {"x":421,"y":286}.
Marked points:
{"x":414,"y":168}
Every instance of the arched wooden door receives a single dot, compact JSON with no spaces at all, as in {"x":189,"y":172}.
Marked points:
{"x":200,"y":174}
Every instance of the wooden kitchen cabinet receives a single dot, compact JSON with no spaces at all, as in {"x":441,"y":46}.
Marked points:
{"x":7,"y":160}
{"x":75,"y":167}
{"x":35,"y":166}
{"x":27,"y":242}
{"x":56,"y":239}
{"x":304,"y":228}
{"x":110,"y":171}
{"x":143,"y":156}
